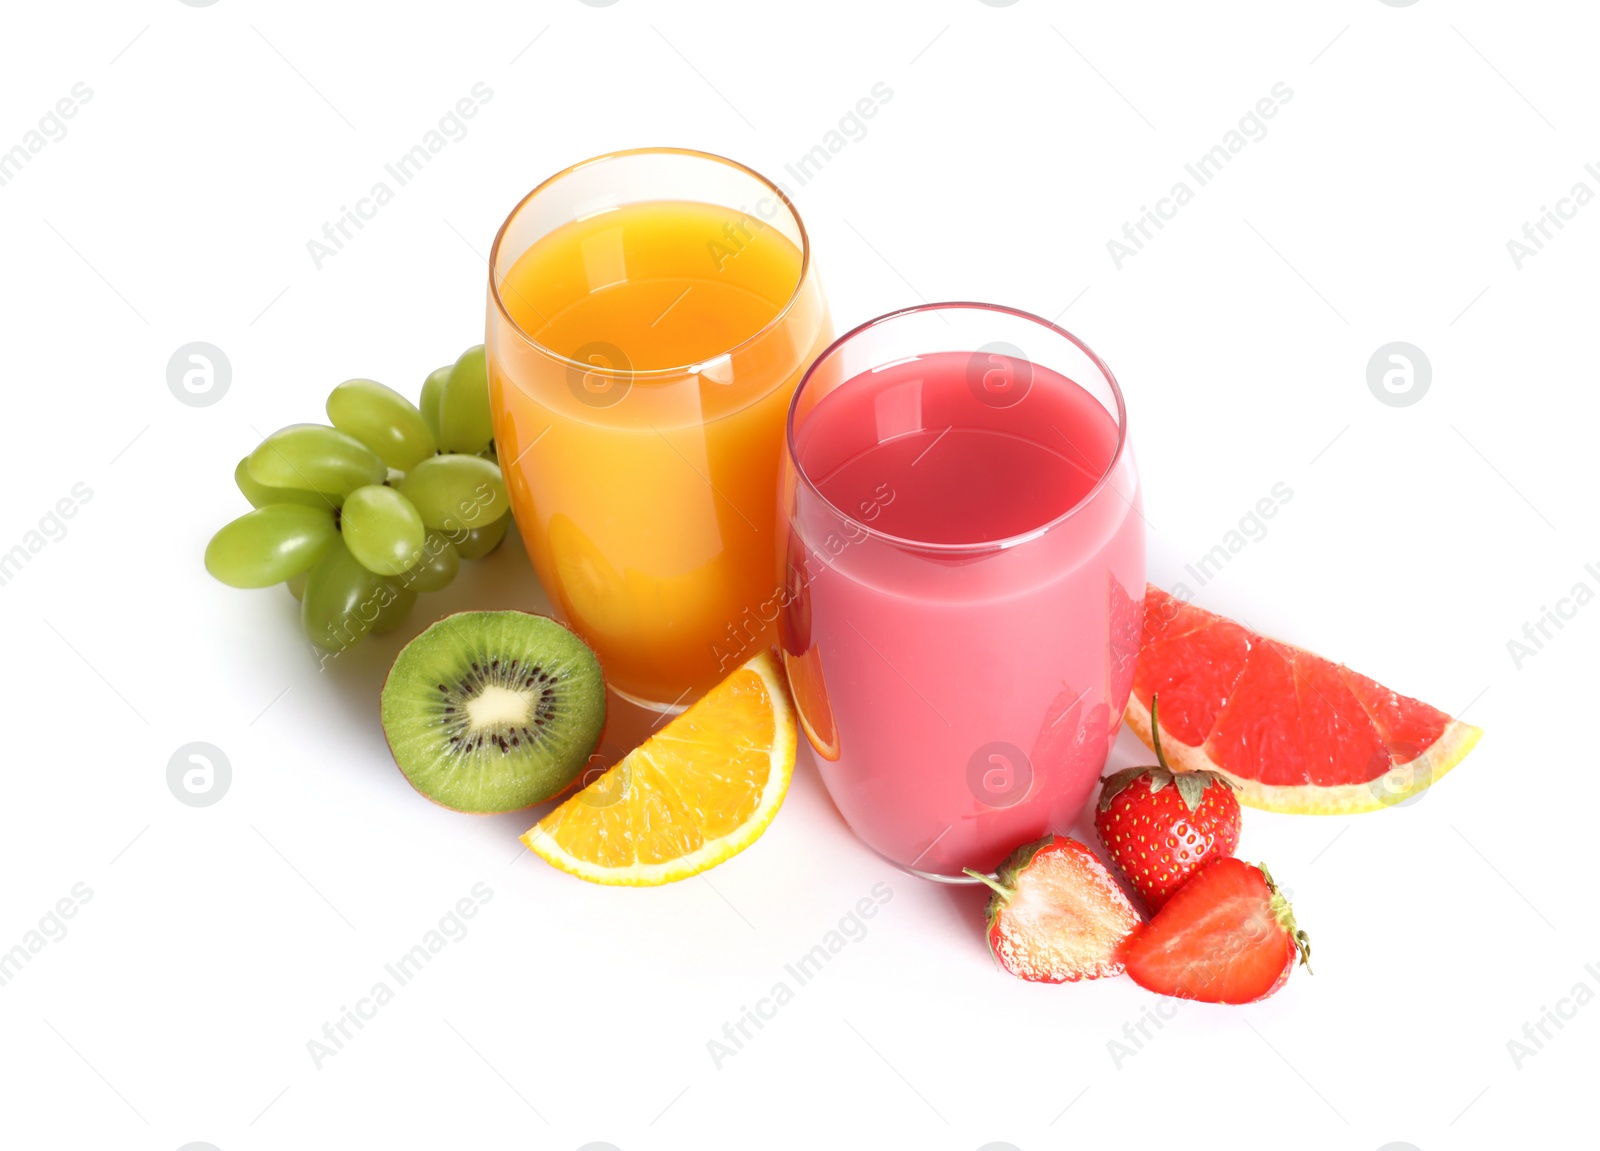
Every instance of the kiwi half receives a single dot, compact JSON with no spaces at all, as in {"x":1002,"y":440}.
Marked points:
{"x":491,"y":711}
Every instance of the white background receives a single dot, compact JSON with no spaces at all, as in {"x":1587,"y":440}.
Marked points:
{"x":1018,"y":141}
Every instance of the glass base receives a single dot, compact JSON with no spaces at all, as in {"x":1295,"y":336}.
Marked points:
{"x":629,"y":722}
{"x":668,"y":710}
{"x":960,"y":879}
{"x":935,"y":877}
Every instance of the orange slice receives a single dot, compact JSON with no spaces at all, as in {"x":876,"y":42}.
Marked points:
{"x":699,"y":791}
{"x":811,"y":701}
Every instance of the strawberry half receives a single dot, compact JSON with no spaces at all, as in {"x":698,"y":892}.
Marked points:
{"x":1057,"y":915}
{"x":1160,"y":826}
{"x":1227,"y":936}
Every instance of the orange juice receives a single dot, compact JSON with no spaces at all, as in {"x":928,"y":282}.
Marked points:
{"x":642,"y":359}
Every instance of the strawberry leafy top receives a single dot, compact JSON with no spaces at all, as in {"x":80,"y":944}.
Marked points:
{"x":1004,"y":885}
{"x":1191,"y":785}
{"x":1284,"y":914}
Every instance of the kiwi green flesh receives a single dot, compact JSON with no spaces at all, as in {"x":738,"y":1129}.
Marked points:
{"x":493,"y":711}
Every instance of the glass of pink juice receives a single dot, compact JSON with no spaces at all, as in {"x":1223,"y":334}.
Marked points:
{"x":963,"y":573}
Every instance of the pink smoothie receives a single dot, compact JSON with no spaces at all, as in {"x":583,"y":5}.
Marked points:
{"x":961,"y":696}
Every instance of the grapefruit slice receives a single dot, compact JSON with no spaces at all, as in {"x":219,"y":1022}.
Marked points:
{"x":1296,"y":732}
{"x":698,"y":792}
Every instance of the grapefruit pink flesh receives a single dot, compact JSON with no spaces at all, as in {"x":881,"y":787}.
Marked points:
{"x":1296,"y":732}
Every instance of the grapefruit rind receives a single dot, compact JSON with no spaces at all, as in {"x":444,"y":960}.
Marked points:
{"x":712,"y":851}
{"x":1399,"y":783}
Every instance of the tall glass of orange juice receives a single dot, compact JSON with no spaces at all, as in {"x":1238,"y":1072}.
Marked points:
{"x":650,"y":313}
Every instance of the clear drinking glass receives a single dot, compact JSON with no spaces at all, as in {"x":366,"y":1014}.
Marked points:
{"x":650,"y":314}
{"x":964,"y":579}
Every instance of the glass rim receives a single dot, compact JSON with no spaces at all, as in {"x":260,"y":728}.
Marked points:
{"x":946,"y":549}
{"x":670,"y":372}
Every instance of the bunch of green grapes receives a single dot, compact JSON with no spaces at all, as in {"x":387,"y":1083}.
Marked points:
{"x":359,"y":517}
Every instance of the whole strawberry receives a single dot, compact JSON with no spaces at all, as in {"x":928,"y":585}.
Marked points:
{"x":1160,"y":826}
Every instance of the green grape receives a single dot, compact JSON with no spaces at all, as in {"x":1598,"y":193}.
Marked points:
{"x":381,"y":529}
{"x":297,"y":584}
{"x":382,"y":419}
{"x":260,"y":495}
{"x":475,"y":543}
{"x":465,"y":424}
{"x":432,"y":389}
{"x":342,"y":600}
{"x":438,"y":566}
{"x":456,"y":491}
{"x":318,"y":458}
{"x":393,"y":613}
{"x":270,"y":544}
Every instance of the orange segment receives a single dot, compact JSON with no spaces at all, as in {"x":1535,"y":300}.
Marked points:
{"x":811,"y":701}
{"x":698,"y":792}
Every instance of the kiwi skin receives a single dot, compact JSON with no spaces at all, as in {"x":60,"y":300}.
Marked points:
{"x":502,"y":767}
